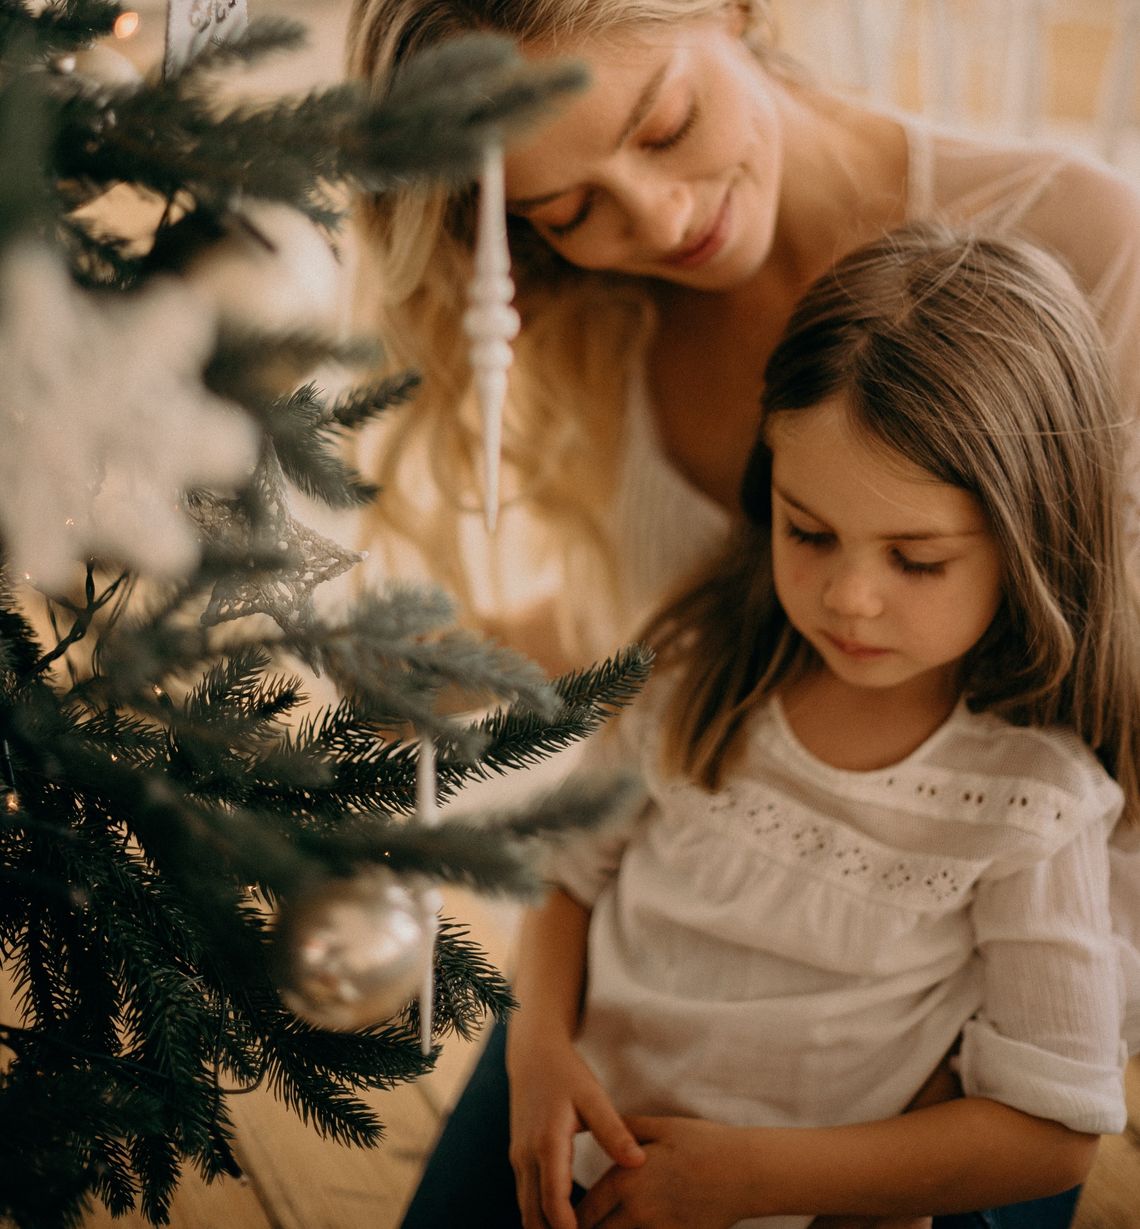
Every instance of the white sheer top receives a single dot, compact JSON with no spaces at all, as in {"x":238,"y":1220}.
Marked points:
{"x":1087,"y":215}
{"x":803,"y":946}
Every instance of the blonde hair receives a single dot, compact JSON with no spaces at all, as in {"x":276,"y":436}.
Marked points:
{"x":565,"y":402}
{"x":978,"y":360}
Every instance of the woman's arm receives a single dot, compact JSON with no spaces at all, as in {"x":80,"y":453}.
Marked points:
{"x":956,"y":1157}
{"x":554,"y":1094}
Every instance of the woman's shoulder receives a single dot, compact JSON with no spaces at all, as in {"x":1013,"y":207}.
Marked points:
{"x":1044,"y":190}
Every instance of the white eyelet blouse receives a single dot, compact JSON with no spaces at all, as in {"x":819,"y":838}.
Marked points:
{"x":804,"y":946}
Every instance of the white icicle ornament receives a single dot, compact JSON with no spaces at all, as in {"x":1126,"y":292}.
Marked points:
{"x":491,"y":323}
{"x":353,"y":952}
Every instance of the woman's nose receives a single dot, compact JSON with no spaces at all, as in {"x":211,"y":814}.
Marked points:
{"x":658,"y":212}
{"x":852,"y":591}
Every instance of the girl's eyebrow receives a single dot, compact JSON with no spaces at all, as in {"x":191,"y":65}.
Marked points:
{"x":641,"y":108}
{"x":908,"y":536}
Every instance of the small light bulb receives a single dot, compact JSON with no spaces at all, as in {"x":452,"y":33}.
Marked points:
{"x":12,"y":802}
{"x":126,"y":24}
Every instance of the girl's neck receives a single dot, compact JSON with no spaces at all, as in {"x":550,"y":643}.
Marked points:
{"x":861,"y":728}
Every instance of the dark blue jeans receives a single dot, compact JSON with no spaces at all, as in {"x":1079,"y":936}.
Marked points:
{"x":469,"y":1182}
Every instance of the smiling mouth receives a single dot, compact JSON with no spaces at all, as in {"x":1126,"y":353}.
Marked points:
{"x":707,"y":245}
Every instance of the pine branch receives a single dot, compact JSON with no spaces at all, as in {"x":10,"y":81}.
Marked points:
{"x":305,"y":437}
{"x":364,"y":403}
{"x":517,"y":738}
{"x":442,"y":107}
{"x":68,"y":25}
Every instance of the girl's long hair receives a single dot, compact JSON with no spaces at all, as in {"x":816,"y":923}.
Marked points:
{"x":565,"y":409}
{"x":977,"y":359}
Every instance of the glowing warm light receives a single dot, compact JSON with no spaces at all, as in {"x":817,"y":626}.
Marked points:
{"x":12,"y":802}
{"x":126,"y":24}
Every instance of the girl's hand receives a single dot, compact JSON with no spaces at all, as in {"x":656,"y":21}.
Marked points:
{"x":554,"y":1094}
{"x":691,"y":1179}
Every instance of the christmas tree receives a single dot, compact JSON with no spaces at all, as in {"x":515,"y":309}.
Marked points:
{"x":198,"y":870}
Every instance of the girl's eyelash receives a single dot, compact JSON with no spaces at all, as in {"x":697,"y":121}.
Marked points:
{"x":913,"y":568}
{"x":679,"y":134}
{"x":909,"y":567}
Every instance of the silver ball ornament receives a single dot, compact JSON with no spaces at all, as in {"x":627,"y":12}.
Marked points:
{"x":354,"y":952}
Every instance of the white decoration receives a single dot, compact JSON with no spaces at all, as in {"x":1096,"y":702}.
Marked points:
{"x":430,"y":900}
{"x":491,"y":322}
{"x":191,"y":24}
{"x":105,"y":422}
{"x":275,"y":270}
{"x":285,"y":592}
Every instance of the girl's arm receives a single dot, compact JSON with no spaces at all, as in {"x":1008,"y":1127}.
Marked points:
{"x":957,"y":1157}
{"x":553,"y":1092}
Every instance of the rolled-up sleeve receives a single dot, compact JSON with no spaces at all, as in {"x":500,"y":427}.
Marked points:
{"x":1047,"y":1039}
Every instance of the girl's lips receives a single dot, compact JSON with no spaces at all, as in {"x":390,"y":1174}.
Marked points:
{"x":708,"y":245}
{"x":852,"y":648}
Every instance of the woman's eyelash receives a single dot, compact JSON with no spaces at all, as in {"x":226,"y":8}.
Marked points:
{"x":678,"y":134}
{"x":564,"y":228}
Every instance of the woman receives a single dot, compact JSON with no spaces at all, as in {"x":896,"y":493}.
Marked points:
{"x":664,"y":224}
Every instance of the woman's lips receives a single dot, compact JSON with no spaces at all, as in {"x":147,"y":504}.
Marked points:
{"x":708,"y":245}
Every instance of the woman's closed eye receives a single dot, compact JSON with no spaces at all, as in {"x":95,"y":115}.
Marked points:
{"x":580,"y":215}
{"x":657,"y":145}
{"x":678,"y":133}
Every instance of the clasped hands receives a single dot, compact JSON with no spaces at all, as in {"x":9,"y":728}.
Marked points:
{"x":668,"y":1172}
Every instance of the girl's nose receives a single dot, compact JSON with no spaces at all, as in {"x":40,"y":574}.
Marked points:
{"x":852,"y":592}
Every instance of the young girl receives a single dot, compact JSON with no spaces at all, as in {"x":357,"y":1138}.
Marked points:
{"x":875,"y":829}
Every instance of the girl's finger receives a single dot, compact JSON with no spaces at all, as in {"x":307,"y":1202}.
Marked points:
{"x":554,"y":1192}
{"x":609,"y":1129}
{"x":599,"y":1202}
